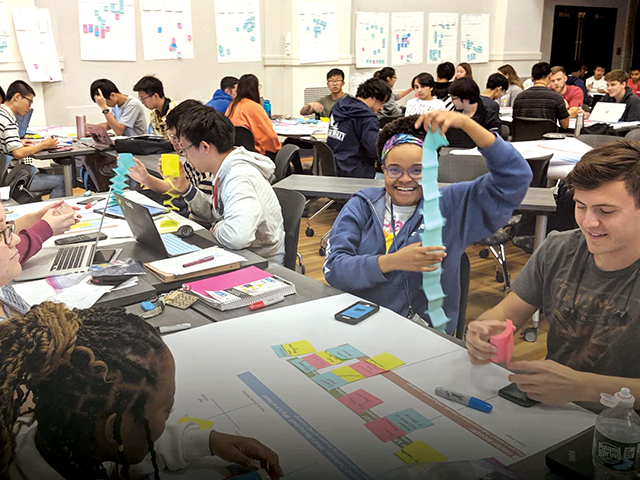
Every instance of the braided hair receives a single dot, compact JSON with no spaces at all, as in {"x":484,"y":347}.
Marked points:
{"x":80,"y":365}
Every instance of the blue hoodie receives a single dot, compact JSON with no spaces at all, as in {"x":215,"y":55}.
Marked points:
{"x":352,"y":137}
{"x":473,"y":210}
{"x":220,"y":101}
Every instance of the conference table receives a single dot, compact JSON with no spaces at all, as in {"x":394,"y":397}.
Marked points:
{"x":66,"y":158}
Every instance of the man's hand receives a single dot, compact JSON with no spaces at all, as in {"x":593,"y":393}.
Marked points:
{"x":245,"y":451}
{"x":412,"y":258}
{"x":585,"y":113}
{"x":49,"y":142}
{"x":477,"y":340}
{"x":602,"y":90}
{"x":180,"y":183}
{"x":100,"y":100}
{"x":316,"y":107}
{"x":60,"y":223}
{"x":442,"y":120}
{"x":549,"y":382}
{"x":138,"y":172}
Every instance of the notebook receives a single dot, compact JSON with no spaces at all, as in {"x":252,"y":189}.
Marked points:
{"x":172,"y":269}
{"x":240,"y":288}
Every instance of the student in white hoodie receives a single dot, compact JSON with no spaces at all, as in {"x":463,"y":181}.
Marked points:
{"x":243,"y":210}
{"x":103,"y":385}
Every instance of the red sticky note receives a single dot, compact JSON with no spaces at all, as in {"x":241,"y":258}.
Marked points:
{"x":108,"y":28}
{"x":85,"y":28}
{"x":35,"y":65}
{"x":189,"y":37}
{"x":360,"y":401}
{"x":179,"y":26}
{"x":384,"y":429}
{"x":117,"y":16}
{"x":316,"y":361}
{"x":366,"y":369}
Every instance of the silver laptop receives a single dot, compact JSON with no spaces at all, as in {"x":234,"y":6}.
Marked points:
{"x":100,"y":136}
{"x":605,"y":112}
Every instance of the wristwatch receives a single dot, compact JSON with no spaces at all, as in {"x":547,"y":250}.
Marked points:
{"x":105,"y":111}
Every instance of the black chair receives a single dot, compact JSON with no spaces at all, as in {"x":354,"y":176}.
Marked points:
{"x":19,"y":180}
{"x":633,"y":134}
{"x":385,"y":120}
{"x":597,"y":140}
{"x":324,"y":164}
{"x":465,"y":278}
{"x":459,"y":139}
{"x":504,"y":131}
{"x":460,"y":168}
{"x":524,"y":129}
{"x":292,"y":205}
{"x":244,"y":138}
{"x":285,"y":159}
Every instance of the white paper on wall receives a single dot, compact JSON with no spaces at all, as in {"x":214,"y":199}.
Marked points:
{"x":407,"y":38}
{"x":442,"y":43}
{"x":167,"y":34}
{"x":107,"y":30}
{"x":36,"y":43}
{"x":238,"y":31}
{"x":5,"y":38}
{"x":372,"y":39}
{"x":474,"y":38}
{"x":318,"y":31}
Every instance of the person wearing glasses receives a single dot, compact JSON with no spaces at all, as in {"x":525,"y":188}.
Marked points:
{"x":323,"y":106}
{"x":151,"y":93}
{"x":122,"y":113}
{"x":374,"y":248}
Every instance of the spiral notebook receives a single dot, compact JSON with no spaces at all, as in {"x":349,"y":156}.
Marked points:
{"x":240,"y":288}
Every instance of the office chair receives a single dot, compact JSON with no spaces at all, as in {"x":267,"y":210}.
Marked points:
{"x":633,"y":134}
{"x":286,"y":158}
{"x":244,"y":138}
{"x":458,"y":138}
{"x":325,"y":165}
{"x":19,"y":180}
{"x":524,"y":129}
{"x":596,"y":140}
{"x":465,"y":279}
{"x":292,"y":205}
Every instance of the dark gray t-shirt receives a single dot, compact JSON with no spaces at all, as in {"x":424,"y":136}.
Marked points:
{"x":595,"y":338}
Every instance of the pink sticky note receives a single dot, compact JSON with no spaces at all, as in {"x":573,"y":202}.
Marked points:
{"x":108,"y":28}
{"x":363,"y":49}
{"x":85,"y":28}
{"x":384,"y":429}
{"x":316,"y":361}
{"x":117,"y":16}
{"x":360,"y":401}
{"x":35,"y":65}
{"x":179,"y":26}
{"x":366,"y":369}
{"x":189,"y":37}
{"x":102,"y":33}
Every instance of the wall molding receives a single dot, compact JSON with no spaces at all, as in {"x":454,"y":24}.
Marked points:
{"x":514,"y":56}
{"x":294,"y":61}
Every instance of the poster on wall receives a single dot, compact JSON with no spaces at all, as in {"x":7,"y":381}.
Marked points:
{"x":407,"y":38}
{"x":107,"y":30}
{"x":372,"y":39}
{"x":474,"y":38}
{"x":238,"y":31}
{"x":442,"y":42}
{"x":36,"y":43}
{"x":318,"y":31}
{"x":5,"y":49}
{"x":167,"y":33}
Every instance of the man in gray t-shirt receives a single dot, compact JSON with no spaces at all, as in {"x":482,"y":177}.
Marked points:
{"x":586,"y":282}
{"x":323,"y":106}
{"x":126,"y":114}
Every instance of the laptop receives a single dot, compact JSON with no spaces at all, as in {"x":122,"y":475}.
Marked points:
{"x":573,"y":459}
{"x":605,"y":112}
{"x":144,"y":230}
{"x":23,"y":122}
{"x":101,"y":139}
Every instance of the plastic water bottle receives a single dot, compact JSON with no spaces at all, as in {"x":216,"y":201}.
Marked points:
{"x":616,"y":441}
{"x":267,"y":107}
{"x":579,"y":124}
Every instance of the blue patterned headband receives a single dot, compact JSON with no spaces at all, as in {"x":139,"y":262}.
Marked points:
{"x":399,"y":139}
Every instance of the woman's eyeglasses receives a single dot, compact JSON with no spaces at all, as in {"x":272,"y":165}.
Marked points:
{"x":7,"y":232}
{"x":397,"y":172}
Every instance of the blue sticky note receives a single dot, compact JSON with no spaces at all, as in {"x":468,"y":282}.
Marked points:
{"x":303,"y":365}
{"x":106,"y":8}
{"x":345,"y":352}
{"x":280,"y":351}
{"x":159,"y":29}
{"x":409,"y":420}
{"x":329,"y":381}
{"x":97,"y":32}
{"x":91,"y":28}
{"x":253,"y":39}
{"x":228,"y":51}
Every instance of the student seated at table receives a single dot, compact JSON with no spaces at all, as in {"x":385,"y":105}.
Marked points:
{"x":224,"y":95}
{"x":466,"y":98}
{"x":585,"y":282}
{"x":444,"y":76}
{"x":243,"y":210}
{"x":576,"y":78}
{"x":634,"y":81}
{"x":323,"y":105}
{"x":424,"y":102}
{"x":597,"y":85}
{"x":464,"y":70}
{"x":122,"y":113}
{"x":572,"y":94}
{"x":1,"y":95}
{"x":245,"y":111}
{"x":618,"y":92}
{"x":151,"y":94}
{"x":374,"y":248}
{"x":391,"y":107}
{"x":18,"y":101}
{"x":515,"y":87}
{"x":103,"y":383}
{"x":497,"y":85}
{"x":354,"y":127}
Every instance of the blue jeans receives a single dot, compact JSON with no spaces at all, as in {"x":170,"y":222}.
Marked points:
{"x":46,"y":181}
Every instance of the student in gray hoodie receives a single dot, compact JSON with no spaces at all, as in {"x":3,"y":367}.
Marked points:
{"x":243,"y":209}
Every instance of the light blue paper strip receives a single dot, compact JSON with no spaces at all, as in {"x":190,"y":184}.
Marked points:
{"x":119,"y":181}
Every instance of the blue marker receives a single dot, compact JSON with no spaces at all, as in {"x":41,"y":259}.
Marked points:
{"x":463,"y":399}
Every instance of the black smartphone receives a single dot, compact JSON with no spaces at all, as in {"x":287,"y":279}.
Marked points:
{"x":512,"y":393}
{"x":357,"y":312}
{"x":88,"y":200}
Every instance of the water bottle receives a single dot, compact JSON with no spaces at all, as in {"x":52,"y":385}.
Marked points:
{"x":267,"y":107}
{"x":579,"y":123}
{"x":616,"y":440}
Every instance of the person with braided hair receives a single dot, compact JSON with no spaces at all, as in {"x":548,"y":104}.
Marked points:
{"x":103,"y":385}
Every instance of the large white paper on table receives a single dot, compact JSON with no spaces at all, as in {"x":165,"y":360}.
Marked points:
{"x":372,"y":38}
{"x":37,"y":46}
{"x":107,"y":30}
{"x":567,"y":150}
{"x":318,"y":31}
{"x":474,"y":38}
{"x":238,"y":381}
{"x":407,"y":38}
{"x":238,"y":31}
{"x":5,"y":37}
{"x":83,"y":294}
{"x":442,"y":43}
{"x":167,"y":34}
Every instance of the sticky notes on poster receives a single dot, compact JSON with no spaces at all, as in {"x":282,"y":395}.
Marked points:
{"x":345,"y":352}
{"x":203,"y":424}
{"x":316,"y":361}
{"x":360,"y":401}
{"x":302,"y":365}
{"x":409,"y":420}
{"x":386,"y":361}
{"x":329,"y":381}
{"x":347,"y":373}
{"x":420,"y":452}
{"x":367,"y":369}
{"x":330,"y":358}
{"x":293,"y":349}
{"x":384,"y":429}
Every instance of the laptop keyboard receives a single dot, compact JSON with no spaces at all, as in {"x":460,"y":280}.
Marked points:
{"x":177,"y":246}
{"x":68,"y":258}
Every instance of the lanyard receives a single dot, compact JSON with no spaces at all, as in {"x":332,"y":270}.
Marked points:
{"x":405,"y":280}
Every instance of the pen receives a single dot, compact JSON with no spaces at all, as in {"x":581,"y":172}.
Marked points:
{"x":174,"y":328}
{"x":199,"y":261}
{"x":89,"y":205}
{"x":463,"y":399}
{"x":265,"y":303}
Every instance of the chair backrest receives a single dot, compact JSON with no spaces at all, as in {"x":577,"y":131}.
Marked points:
{"x":458,"y":138}
{"x":324,"y":163}
{"x":596,"y":140}
{"x":4,"y":168}
{"x":524,"y":129}
{"x":465,"y":278}
{"x":539,"y":167}
{"x":385,"y":120}
{"x":244,"y":138}
{"x":292,"y":205}
{"x":504,"y":131}
{"x":633,"y":134}
{"x":461,"y":168}
{"x":283,"y":161}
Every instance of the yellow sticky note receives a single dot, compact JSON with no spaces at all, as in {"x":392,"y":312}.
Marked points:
{"x":80,"y":225}
{"x":420,"y":452}
{"x":301,"y":347}
{"x":329,"y":357}
{"x":347,"y":373}
{"x":170,"y":162}
{"x":204,"y":424}
{"x":385,"y":361}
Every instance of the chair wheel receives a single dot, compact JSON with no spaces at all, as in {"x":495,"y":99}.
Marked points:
{"x":309,"y":232}
{"x":499,"y":277}
{"x":322,"y":251}
{"x":302,"y":269}
{"x":484,"y":253}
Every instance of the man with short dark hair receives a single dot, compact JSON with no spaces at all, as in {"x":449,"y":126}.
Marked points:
{"x":539,"y":101}
{"x":571,"y":94}
{"x":243,"y":210}
{"x":497,"y":85}
{"x":597,"y":85}
{"x":151,"y":93}
{"x":576,"y":78}
{"x":323,"y":106}
{"x":466,"y":98}
{"x":586,"y":282}
{"x":123,"y":113}
{"x":618,"y":92}
{"x":354,"y":127}
{"x":224,"y":95}
{"x":444,"y":74}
